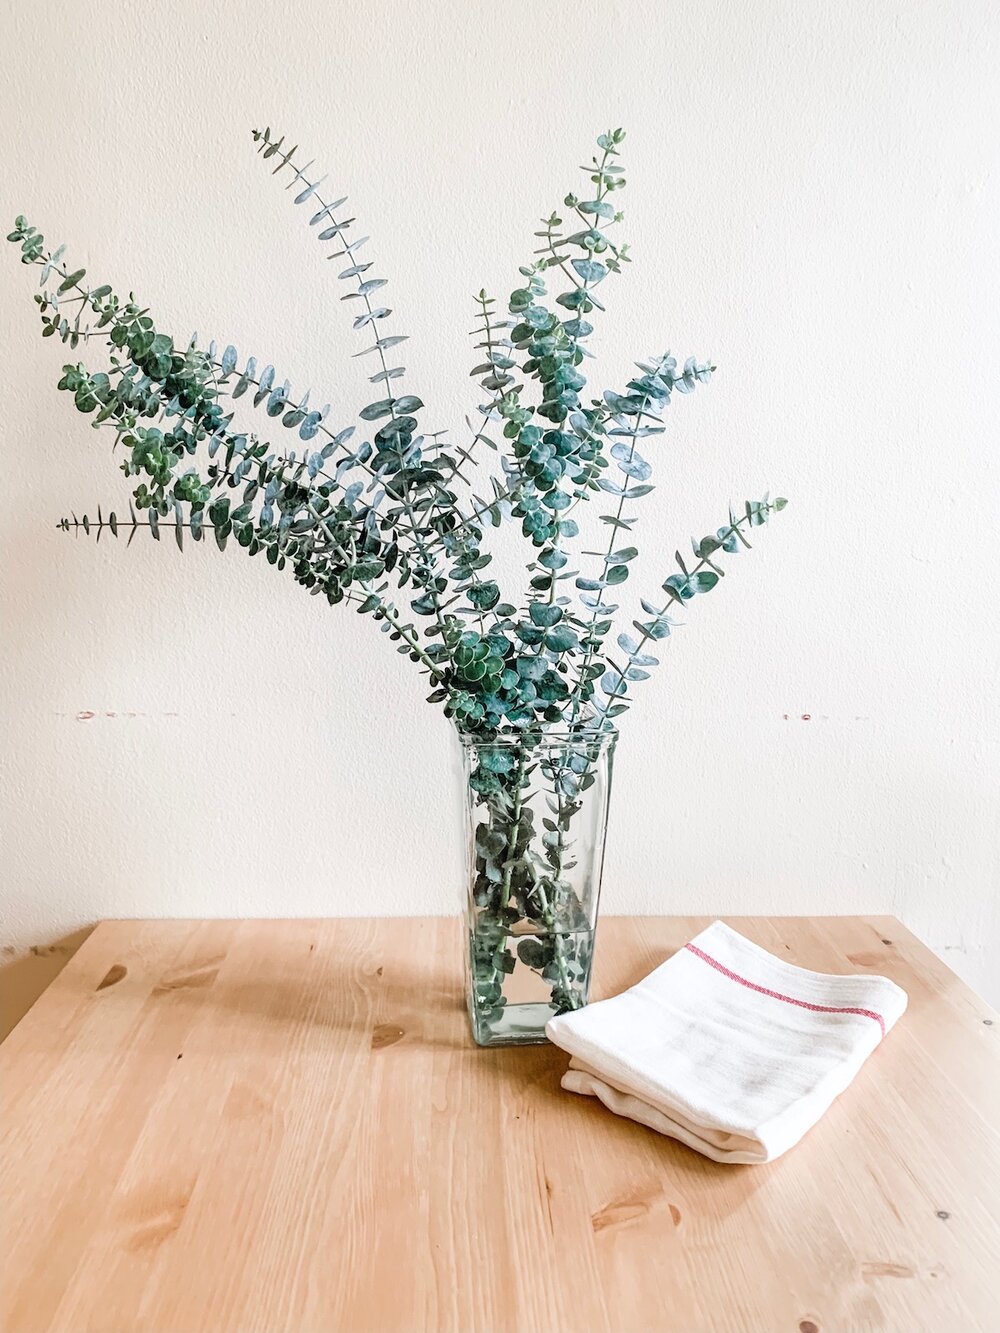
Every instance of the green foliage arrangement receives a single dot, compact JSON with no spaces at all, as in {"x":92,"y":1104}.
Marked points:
{"x":390,"y":519}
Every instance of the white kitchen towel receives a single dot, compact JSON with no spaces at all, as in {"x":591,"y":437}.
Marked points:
{"x":725,"y":1047}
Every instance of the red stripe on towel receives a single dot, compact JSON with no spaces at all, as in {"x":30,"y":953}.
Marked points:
{"x":776,"y":995}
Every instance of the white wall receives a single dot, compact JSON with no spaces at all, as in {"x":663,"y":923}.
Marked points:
{"x":812,"y":200}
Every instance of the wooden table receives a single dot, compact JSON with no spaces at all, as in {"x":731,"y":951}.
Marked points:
{"x":249,"y":1127}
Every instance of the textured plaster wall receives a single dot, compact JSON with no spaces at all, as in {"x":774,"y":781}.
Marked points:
{"x":812,"y":200}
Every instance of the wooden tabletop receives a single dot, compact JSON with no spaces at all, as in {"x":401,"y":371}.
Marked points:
{"x":259,"y":1126}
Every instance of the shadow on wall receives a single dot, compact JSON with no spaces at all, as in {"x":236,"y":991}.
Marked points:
{"x":23,"y":976}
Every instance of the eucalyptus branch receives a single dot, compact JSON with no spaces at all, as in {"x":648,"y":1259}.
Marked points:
{"x":139,"y":339}
{"x":648,"y":398}
{"x":276,"y":399}
{"x":702,"y":577}
{"x":399,"y":454}
{"x":89,"y":396}
{"x":197,"y":525}
{"x":399,"y":458}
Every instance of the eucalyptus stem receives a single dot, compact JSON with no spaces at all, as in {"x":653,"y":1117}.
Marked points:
{"x":515,"y":832}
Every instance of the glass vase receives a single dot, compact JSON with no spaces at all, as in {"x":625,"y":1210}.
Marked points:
{"x":536,"y":816}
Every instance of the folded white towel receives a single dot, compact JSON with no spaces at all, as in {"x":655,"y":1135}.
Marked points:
{"x":728,"y":1049}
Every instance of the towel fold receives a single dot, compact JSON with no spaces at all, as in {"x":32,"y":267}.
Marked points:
{"x":728,"y":1049}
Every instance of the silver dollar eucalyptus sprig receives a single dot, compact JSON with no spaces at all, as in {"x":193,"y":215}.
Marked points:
{"x":379,"y":521}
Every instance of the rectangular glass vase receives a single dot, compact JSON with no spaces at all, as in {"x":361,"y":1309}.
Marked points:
{"x":536,"y":818}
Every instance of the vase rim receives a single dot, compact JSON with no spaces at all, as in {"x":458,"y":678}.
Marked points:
{"x":538,"y":739}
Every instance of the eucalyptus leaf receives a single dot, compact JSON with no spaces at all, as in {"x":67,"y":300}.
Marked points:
{"x":544,"y":614}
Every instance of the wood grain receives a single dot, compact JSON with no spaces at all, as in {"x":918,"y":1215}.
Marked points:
{"x":261,"y":1126}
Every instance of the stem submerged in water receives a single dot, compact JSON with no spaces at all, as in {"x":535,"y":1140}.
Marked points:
{"x":538,"y":813}
{"x":515,"y":831}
